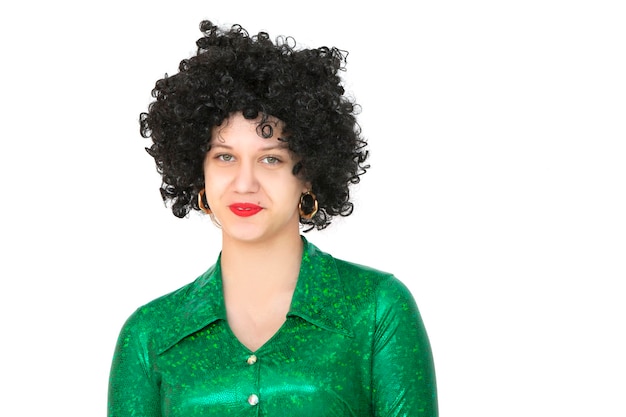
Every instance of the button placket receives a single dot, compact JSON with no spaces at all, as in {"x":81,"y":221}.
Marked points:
{"x":253,"y":399}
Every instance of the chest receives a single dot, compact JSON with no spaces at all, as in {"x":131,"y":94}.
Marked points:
{"x":301,"y":370}
{"x":254,"y":327}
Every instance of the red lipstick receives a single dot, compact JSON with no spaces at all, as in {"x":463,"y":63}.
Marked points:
{"x":245,"y":209}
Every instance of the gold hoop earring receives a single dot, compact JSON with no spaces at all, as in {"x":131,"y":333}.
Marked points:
{"x":308,"y":205}
{"x":202,"y":203}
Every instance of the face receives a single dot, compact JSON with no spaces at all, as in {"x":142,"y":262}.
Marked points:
{"x":249,"y":182}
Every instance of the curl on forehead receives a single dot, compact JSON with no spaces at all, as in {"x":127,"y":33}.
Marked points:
{"x":267,"y":127}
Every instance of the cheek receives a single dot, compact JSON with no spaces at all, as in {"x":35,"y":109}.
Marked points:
{"x":214,"y":185}
{"x":289,"y":184}
{"x":296,"y":193}
{"x":213,"y":174}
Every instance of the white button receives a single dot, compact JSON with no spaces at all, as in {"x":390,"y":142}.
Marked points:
{"x":253,"y":399}
{"x":251,"y":359}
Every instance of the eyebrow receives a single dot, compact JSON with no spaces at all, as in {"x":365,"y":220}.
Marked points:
{"x":278,"y":146}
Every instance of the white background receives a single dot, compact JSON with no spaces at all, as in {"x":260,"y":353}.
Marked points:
{"x":497,"y":188}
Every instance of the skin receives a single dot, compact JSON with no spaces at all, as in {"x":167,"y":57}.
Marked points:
{"x":261,"y":254}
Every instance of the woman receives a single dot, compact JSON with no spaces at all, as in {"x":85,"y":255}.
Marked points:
{"x":260,"y":136}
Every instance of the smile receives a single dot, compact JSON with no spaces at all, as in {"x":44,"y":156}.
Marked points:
{"x":245,"y":209}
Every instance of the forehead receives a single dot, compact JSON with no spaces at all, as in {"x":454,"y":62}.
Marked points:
{"x":237,"y":127}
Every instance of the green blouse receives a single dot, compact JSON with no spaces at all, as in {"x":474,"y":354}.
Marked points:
{"x":353,"y":344}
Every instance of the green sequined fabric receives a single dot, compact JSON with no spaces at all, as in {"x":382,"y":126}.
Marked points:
{"x":353,"y":344}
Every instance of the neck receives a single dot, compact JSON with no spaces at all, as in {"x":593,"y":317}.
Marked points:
{"x":261,"y":266}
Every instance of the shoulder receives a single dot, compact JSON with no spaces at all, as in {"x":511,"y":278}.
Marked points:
{"x":356,"y":275}
{"x":164,"y":321}
{"x":148,"y":315}
{"x":157,"y":314}
{"x":359,"y":279}
{"x":378,"y":298}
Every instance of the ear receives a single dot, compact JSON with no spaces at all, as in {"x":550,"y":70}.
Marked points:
{"x":307,"y":187}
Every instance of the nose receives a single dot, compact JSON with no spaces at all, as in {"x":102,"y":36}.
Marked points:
{"x":246,"y":180}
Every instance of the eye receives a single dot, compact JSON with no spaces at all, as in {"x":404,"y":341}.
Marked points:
{"x":271,"y":160}
{"x":224,"y":157}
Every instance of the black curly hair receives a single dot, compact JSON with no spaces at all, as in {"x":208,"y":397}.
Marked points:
{"x":234,"y":72}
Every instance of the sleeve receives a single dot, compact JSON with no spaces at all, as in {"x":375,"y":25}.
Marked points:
{"x":133,"y":390}
{"x":403,"y":370}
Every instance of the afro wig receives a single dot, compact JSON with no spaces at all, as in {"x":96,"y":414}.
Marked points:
{"x":234,"y":72}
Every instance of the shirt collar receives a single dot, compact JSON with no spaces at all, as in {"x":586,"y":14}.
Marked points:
{"x":319,"y":298}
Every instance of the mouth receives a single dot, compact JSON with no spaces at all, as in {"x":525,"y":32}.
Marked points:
{"x":245,"y":209}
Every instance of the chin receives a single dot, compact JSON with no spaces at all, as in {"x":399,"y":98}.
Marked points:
{"x":241,"y":233}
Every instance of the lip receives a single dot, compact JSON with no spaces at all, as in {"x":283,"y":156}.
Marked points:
{"x":245,"y":209}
